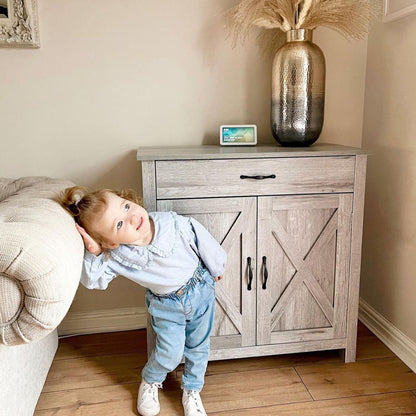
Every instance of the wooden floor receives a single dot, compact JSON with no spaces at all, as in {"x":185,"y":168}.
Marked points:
{"x":99,"y":375}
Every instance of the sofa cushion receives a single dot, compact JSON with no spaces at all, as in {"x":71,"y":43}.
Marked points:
{"x":40,"y":259}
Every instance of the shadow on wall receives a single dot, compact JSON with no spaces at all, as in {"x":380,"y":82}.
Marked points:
{"x":121,"y":293}
{"x":123,"y":172}
{"x":388,"y":226}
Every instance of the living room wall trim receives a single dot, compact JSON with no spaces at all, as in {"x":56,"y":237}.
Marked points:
{"x":399,"y":343}
{"x":111,"y":320}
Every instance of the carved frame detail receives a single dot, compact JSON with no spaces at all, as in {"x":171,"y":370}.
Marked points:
{"x":21,"y":28}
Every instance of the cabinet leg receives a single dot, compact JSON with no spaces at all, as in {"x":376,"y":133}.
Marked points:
{"x":350,"y":355}
{"x":351,"y":347}
{"x":347,"y":356}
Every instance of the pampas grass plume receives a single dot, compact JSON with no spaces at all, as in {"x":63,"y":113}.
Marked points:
{"x":350,"y":18}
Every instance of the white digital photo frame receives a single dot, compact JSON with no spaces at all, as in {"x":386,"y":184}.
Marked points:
{"x":238,"y":135}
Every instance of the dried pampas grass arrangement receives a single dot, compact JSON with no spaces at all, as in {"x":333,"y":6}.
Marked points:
{"x":351,"y":18}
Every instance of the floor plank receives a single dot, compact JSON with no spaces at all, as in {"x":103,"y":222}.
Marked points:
{"x":88,"y":396}
{"x":117,"y":408}
{"x":391,"y":404}
{"x":384,"y":375}
{"x":94,"y":371}
{"x":102,"y":344}
{"x":369,"y":346}
{"x":223,"y":392}
{"x":110,"y":399}
{"x":97,"y":375}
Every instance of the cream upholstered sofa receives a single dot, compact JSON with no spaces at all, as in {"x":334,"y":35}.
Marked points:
{"x":40,"y":266}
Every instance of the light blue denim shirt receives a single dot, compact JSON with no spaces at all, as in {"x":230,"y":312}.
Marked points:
{"x":179,"y":244}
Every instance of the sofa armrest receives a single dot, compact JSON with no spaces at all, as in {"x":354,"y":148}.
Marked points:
{"x":40,"y":259}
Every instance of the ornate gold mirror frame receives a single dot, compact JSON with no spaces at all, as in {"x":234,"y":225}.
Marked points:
{"x":19,"y":29}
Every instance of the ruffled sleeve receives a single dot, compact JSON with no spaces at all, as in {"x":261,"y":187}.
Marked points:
{"x":96,"y":271}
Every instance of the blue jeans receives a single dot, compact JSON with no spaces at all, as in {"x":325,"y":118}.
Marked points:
{"x":182,"y":322}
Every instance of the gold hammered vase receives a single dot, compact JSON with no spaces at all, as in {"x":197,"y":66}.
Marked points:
{"x":298,"y":90}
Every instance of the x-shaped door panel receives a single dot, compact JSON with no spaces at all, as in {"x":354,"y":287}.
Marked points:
{"x":318,"y":277}
{"x":232,"y":221}
{"x":304,"y":273}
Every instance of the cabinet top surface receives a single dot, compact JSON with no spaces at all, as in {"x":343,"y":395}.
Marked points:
{"x":235,"y":152}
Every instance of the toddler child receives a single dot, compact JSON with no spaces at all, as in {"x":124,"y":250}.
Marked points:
{"x":176,"y":259}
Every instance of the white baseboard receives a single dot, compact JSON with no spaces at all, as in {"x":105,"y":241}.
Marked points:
{"x":111,"y":320}
{"x":399,"y":343}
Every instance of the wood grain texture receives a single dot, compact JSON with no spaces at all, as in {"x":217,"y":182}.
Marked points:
{"x":253,"y":388}
{"x":149,"y":185}
{"x":234,"y":152}
{"x":272,"y":349}
{"x":355,"y":263}
{"x":85,"y":372}
{"x":102,"y":344}
{"x":306,"y":223}
{"x":308,"y":258}
{"x":329,"y":381}
{"x":393,"y":404}
{"x":232,"y":222}
{"x":96,"y":375}
{"x":214,"y":178}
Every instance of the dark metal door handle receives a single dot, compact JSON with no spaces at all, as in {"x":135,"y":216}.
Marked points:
{"x":265,"y":272}
{"x":258,"y":177}
{"x":250,"y":273}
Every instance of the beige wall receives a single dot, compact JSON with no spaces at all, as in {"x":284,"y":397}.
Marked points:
{"x":111,"y":76}
{"x":389,"y":249}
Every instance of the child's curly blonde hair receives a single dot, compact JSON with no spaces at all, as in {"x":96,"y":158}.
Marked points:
{"x":84,"y":204}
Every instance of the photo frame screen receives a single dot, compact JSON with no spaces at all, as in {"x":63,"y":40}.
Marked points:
{"x":238,"y":135}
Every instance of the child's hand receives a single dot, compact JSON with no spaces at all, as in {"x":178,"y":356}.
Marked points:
{"x":90,"y":244}
{"x":218,"y":278}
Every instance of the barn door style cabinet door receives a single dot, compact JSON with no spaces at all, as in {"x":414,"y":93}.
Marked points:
{"x":290,"y":221}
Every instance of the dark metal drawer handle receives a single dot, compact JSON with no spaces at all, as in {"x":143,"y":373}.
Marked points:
{"x":258,"y":177}
{"x":250,"y":273}
{"x":265,"y":273}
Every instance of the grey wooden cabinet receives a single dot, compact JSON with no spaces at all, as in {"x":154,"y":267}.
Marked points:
{"x":290,"y":221}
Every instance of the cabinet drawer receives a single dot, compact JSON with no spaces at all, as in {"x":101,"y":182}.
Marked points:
{"x":212,"y":178}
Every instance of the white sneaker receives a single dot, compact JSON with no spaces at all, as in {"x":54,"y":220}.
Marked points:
{"x":148,"y":399}
{"x":192,"y":403}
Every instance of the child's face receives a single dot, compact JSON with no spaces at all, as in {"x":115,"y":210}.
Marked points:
{"x":123,"y":222}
